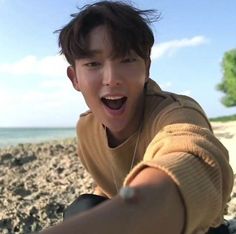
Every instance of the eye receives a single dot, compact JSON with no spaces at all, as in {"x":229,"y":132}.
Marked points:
{"x":92,"y":64}
{"x":128,"y":60}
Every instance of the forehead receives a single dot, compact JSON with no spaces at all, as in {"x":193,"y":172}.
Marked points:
{"x":99,"y":40}
{"x":101,"y":43}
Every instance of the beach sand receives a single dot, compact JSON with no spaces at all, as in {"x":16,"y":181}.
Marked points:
{"x":226,"y":133}
{"x":37,"y":181}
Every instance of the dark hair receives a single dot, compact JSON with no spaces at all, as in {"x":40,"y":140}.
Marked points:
{"x":127,"y":26}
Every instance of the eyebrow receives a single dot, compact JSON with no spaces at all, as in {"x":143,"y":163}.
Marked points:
{"x":91,"y":53}
{"x":96,"y":52}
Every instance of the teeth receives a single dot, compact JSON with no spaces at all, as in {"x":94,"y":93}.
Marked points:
{"x":113,"y":97}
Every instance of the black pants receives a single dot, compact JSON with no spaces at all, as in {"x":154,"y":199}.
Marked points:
{"x":87,"y":201}
{"x":82,"y":203}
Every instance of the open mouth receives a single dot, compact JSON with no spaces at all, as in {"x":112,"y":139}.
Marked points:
{"x":114,"y":103}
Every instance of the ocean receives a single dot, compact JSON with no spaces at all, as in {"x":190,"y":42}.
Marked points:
{"x":14,"y":136}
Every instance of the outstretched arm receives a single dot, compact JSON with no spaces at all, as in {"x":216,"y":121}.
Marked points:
{"x":158,"y":209}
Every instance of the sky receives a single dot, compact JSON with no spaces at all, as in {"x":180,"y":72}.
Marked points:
{"x":190,"y":41}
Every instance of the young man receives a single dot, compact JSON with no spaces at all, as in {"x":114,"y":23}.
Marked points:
{"x":152,"y":153}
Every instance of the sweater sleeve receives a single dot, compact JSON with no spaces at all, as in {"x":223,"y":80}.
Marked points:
{"x":198,"y":164}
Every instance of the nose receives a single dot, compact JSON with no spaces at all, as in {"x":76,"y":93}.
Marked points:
{"x":111,"y":76}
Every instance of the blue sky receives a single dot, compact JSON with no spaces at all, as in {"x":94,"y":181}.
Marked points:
{"x":191,"y":39}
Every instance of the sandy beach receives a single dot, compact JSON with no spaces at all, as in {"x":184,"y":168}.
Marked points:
{"x":226,"y":133}
{"x":37,"y":181}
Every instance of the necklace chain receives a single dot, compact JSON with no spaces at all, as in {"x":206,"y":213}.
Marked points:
{"x":132,"y":161}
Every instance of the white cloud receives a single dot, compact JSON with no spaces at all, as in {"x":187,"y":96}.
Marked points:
{"x":186,"y":92}
{"x":6,"y":100}
{"x":165,"y":86}
{"x":58,"y":106}
{"x":168,"y":48}
{"x":56,"y":84}
{"x":168,"y":84}
{"x":31,"y":65}
{"x":54,"y":66}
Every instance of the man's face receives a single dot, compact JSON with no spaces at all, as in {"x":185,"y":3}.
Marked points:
{"x":112,"y":87}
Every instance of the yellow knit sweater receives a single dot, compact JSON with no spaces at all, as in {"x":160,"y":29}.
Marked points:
{"x":175,"y":137}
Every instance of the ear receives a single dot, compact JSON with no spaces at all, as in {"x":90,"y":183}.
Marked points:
{"x":148,"y":64}
{"x":71,"y":74}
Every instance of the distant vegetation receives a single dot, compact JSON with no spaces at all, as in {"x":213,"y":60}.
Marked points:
{"x":228,"y":84}
{"x":224,"y":118}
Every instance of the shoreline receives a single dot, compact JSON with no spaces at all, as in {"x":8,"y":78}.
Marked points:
{"x":15,"y":136}
{"x":36,"y":142}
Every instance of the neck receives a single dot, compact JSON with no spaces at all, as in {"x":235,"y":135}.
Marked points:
{"x":113,"y":141}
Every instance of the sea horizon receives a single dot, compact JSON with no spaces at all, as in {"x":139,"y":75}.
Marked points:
{"x":12,"y":136}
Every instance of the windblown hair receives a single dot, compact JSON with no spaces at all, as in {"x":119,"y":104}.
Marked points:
{"x":128,"y":28}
